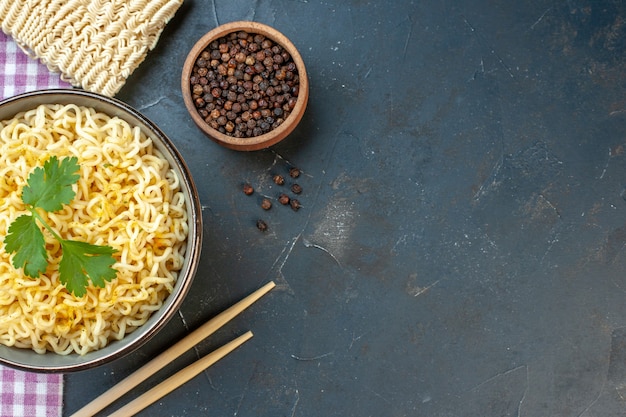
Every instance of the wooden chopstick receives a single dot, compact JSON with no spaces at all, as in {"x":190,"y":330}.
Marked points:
{"x":179,"y":378}
{"x":170,"y":354}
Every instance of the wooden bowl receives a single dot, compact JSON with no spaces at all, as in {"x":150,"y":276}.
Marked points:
{"x":272,"y":136}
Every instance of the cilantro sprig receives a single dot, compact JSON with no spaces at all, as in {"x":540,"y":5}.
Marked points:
{"x":49,"y":188}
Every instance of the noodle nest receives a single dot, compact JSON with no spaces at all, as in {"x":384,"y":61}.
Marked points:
{"x":127,"y":197}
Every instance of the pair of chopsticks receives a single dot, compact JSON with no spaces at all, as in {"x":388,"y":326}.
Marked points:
{"x":182,"y":376}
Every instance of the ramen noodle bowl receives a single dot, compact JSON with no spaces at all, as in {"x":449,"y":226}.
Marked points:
{"x":128,"y":197}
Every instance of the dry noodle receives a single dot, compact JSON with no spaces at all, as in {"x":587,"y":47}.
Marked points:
{"x":127,"y":197}
{"x":95,"y":44}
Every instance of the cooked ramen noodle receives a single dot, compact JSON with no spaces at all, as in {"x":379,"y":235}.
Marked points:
{"x":127,"y":197}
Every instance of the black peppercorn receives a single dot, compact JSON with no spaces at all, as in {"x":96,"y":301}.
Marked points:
{"x":283,"y":199}
{"x":295,"y":204}
{"x":241,"y":68}
{"x":261,"y":225}
{"x":248,"y":189}
{"x":266,"y":204}
{"x":197,"y":89}
{"x":279,"y":179}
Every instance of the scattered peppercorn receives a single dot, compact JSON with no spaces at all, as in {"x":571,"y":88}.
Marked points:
{"x":248,"y":189}
{"x":279,"y":179}
{"x":266,"y":204}
{"x":261,"y":225}
{"x":294,"y":172}
{"x":296,"y":189}
{"x":244,"y":73}
{"x":295,"y":204}
{"x":283,"y":199}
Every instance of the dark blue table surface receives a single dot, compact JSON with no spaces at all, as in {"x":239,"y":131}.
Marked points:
{"x":461,"y":246}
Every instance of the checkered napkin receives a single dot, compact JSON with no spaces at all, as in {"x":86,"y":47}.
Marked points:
{"x":20,"y":74}
{"x":30,"y":395}
{"x":26,"y":394}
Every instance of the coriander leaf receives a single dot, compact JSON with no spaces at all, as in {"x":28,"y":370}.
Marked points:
{"x":82,"y":261}
{"x":26,"y":240}
{"x":51,"y":186}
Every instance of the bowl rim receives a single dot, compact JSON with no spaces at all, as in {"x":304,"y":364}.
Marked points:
{"x":174,"y":300}
{"x":267,"y":139}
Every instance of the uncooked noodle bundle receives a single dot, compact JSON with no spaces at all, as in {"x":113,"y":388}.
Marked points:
{"x":127,"y":197}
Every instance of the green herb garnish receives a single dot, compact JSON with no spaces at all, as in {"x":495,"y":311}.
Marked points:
{"x":48,"y":189}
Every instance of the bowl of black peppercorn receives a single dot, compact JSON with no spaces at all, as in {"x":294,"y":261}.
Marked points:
{"x":245,"y":85}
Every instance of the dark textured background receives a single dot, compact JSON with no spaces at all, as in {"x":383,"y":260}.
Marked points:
{"x":461,"y":249}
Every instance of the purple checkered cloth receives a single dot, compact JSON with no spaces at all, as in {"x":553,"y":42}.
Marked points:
{"x":26,"y":394}
{"x":21,"y":73}
{"x":30,"y":394}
